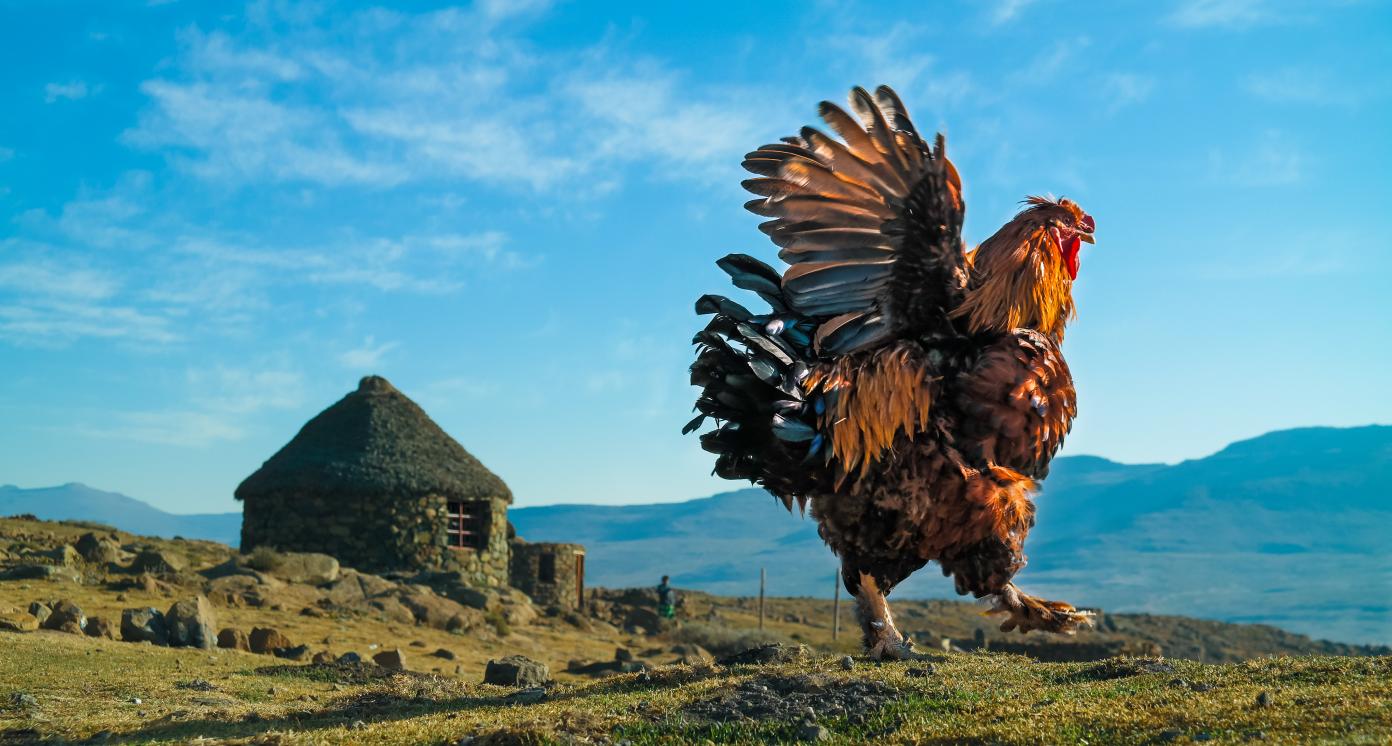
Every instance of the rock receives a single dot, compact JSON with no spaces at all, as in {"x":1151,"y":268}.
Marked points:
{"x":306,"y":567}
{"x":466,"y":620}
{"x":1264,"y":699}
{"x":429,"y":609}
{"x":484,"y":599}
{"x":296,"y":653}
{"x":18,"y":621}
{"x":392,"y":659}
{"x":266,"y":639}
{"x":774,"y":652}
{"x":322,"y":657}
{"x":577,"y":620}
{"x":349,"y":658}
{"x":157,"y":561}
{"x":98,"y":550}
{"x":144,"y":625}
{"x":919,"y":672}
{"x":43,"y":572}
{"x":190,"y":624}
{"x":445,"y":653}
{"x":393,"y":610}
{"x":354,"y":588}
{"x":40,"y":611}
{"x":100,"y":627}
{"x":519,"y":614}
{"x":66,"y":616}
{"x":847,"y":663}
{"x":233,"y":639}
{"x":23,"y":700}
{"x":64,"y":556}
{"x":528,"y":696}
{"x":516,"y":670}
{"x":813,"y":732}
{"x":623,"y":654}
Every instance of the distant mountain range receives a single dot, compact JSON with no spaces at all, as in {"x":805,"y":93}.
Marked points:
{"x":1289,"y":528}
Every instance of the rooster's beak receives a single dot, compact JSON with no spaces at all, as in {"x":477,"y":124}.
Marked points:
{"x":1086,"y":237}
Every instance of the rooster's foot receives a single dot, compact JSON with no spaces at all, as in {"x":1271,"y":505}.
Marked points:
{"x":894,"y":647}
{"x":1027,"y":613}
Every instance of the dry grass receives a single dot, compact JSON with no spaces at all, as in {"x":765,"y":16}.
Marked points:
{"x":84,"y":687}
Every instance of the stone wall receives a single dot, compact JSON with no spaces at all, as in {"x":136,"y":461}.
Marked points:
{"x":376,"y":534}
{"x":564,"y":588}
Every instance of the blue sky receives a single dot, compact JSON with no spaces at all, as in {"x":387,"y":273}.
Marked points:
{"x":215,"y":217}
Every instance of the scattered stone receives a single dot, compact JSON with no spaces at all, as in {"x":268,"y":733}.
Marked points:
{"x":774,"y":652}
{"x":847,"y":663}
{"x":18,"y":621}
{"x":813,"y":732}
{"x":1264,"y":699}
{"x":358,"y":725}
{"x":445,"y":653}
{"x":153,"y":560}
{"x":100,"y":627}
{"x":98,"y":550}
{"x":23,"y":700}
{"x":516,"y":670}
{"x":308,"y":568}
{"x":919,"y":672}
{"x":392,"y":659}
{"x":623,"y":654}
{"x":144,"y":625}
{"x":785,"y":698}
{"x":64,"y":556}
{"x":322,"y":656}
{"x":1201,"y":686}
{"x":42,"y":572}
{"x":66,"y":616}
{"x":233,"y":639}
{"x":349,"y":658}
{"x":197,"y":685}
{"x":190,"y":624}
{"x":40,"y":610}
{"x":296,"y":653}
{"x":529,"y":696}
{"x":266,"y":639}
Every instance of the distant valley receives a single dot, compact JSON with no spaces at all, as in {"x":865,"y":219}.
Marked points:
{"x":1288,"y":528}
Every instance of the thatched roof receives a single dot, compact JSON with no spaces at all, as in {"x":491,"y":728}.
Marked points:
{"x":374,"y":442}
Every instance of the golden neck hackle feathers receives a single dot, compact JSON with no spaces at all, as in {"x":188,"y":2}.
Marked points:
{"x":1018,"y":279}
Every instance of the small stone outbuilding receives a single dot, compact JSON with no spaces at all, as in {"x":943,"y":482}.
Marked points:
{"x":373,"y":481}
{"x":552,"y":574}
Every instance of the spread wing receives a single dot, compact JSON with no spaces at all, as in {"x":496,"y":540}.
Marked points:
{"x":871,"y":225}
{"x":1018,"y":401}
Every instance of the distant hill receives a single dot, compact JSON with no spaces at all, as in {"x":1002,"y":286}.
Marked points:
{"x":75,"y":501}
{"x":1288,"y":529}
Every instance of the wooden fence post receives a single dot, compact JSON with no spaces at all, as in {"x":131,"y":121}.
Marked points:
{"x":763,"y":577}
{"x":836,"y":607}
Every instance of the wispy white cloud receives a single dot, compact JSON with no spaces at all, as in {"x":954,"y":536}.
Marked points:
{"x":6,"y":154}
{"x":368,"y":355}
{"x":1301,"y":85}
{"x":1272,"y":160}
{"x":71,"y":91}
{"x":1223,"y":13}
{"x":1005,"y":11}
{"x":170,"y":428}
{"x":1121,"y":90}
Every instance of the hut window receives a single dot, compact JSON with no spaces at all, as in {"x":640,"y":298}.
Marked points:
{"x":467,"y":524}
{"x":546,"y":571}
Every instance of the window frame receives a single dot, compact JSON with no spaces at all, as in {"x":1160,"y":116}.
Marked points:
{"x":468,"y":524}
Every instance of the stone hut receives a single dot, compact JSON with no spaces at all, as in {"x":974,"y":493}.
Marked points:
{"x":373,"y":481}
{"x":552,"y":574}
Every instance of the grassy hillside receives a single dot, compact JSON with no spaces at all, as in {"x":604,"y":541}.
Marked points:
{"x":64,"y":687}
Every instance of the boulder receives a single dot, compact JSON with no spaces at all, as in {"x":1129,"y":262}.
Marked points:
{"x":393,"y":610}
{"x":516,"y":670}
{"x":267,"y":639}
{"x":18,"y":621}
{"x":321,"y":657}
{"x":429,"y":609}
{"x":40,"y":610}
{"x":393,"y":659}
{"x":467,"y":619}
{"x":353,"y":588}
{"x":484,"y":599}
{"x":519,"y":614}
{"x":64,"y":556}
{"x":349,"y":658}
{"x":306,"y":567}
{"x":190,"y":624}
{"x":100,"y":627}
{"x":67,"y":616}
{"x":445,"y":653}
{"x":154,"y":560}
{"x":98,"y":550}
{"x":42,"y":572}
{"x":233,"y":639}
{"x":297,"y":653}
{"x":144,"y":625}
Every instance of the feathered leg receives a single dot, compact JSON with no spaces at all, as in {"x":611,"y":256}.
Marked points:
{"x":879,"y":635}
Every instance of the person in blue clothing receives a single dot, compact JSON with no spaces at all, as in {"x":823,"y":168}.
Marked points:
{"x":666,"y":600}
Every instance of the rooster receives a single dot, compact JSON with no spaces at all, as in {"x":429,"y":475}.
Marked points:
{"x":910,"y":390}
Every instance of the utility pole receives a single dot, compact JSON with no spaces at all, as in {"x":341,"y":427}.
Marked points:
{"x":836,"y":607}
{"x":763,"y":578}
